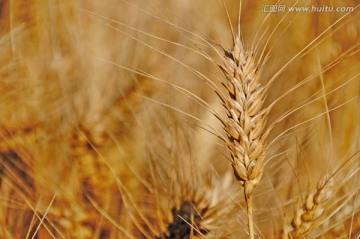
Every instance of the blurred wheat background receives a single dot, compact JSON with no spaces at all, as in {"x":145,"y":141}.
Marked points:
{"x":109,"y":120}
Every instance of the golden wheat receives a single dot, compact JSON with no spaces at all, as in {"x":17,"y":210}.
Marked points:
{"x":311,"y":210}
{"x":109,"y":124}
{"x":245,"y":126}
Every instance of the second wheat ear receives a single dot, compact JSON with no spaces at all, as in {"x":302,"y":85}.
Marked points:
{"x":245,"y":124}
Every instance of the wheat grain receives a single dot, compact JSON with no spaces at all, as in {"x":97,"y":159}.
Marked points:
{"x":245,"y":126}
{"x":311,"y":210}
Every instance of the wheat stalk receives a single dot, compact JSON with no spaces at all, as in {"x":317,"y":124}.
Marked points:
{"x":245,"y":124}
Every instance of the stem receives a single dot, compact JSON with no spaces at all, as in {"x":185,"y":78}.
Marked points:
{"x":248,"y":199}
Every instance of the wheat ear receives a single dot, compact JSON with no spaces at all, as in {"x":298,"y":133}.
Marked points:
{"x":245,"y":124}
{"x":312,"y":209}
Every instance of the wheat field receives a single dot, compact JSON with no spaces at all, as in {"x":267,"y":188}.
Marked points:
{"x":185,"y":119}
